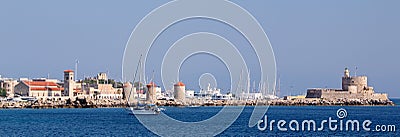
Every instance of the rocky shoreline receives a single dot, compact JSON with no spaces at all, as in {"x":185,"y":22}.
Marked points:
{"x":195,"y":102}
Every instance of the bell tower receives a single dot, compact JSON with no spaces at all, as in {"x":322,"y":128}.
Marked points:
{"x":69,"y":83}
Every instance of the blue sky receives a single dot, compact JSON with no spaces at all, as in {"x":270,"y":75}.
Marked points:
{"x":313,"y":40}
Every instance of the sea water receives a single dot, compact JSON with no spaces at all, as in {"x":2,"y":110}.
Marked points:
{"x":116,"y":121}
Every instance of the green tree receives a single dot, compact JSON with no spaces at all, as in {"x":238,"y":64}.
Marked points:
{"x":3,"y":92}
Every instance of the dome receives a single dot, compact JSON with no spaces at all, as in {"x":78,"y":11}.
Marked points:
{"x":179,"y":84}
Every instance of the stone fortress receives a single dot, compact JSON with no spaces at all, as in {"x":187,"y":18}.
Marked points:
{"x":353,"y":88}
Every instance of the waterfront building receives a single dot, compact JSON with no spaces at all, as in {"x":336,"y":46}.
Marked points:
{"x":210,"y":91}
{"x":93,"y":88}
{"x":102,"y":76}
{"x":222,"y":96}
{"x":107,"y":91}
{"x":353,"y":87}
{"x":158,"y":92}
{"x":245,"y":95}
{"x":8,"y":85}
{"x":179,"y":91}
{"x":189,"y":93}
{"x":39,"y":88}
{"x":212,"y":94}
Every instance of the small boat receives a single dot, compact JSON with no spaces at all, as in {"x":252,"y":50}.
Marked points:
{"x":148,"y":109}
{"x":193,"y":106}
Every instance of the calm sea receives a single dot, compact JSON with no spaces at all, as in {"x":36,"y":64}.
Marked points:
{"x":116,"y":122}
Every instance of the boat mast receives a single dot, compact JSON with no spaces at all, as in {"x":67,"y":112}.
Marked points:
{"x":239,"y":86}
{"x":140,"y":78}
{"x":254,"y":86}
{"x":133,"y":81}
{"x":267,"y":86}
{"x":279,"y":87}
{"x":248,"y":84}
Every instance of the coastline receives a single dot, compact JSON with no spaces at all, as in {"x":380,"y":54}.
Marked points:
{"x":122,"y":104}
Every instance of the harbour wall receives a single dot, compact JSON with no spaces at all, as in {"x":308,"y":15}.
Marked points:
{"x":198,"y":102}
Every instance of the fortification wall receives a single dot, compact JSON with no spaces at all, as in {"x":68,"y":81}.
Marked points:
{"x":380,"y":96}
{"x":360,"y":81}
{"x":330,"y":94}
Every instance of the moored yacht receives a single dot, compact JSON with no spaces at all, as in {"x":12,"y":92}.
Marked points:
{"x":148,"y":109}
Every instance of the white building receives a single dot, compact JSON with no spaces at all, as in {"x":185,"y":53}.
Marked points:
{"x":251,"y":95}
{"x":95,"y":90}
{"x":189,"y":93}
{"x":107,"y":91}
{"x":208,"y":93}
{"x":8,"y":85}
{"x":38,"y":89}
{"x":102,"y":76}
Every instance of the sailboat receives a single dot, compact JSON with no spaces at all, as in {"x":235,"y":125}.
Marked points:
{"x":144,"y":109}
{"x":138,"y":108}
{"x":274,"y":92}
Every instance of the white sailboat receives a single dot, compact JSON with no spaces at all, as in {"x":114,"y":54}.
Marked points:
{"x":146,"y":109}
{"x":138,"y":108}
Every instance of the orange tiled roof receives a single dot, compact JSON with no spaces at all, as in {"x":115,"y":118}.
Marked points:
{"x":179,"y":84}
{"x":67,"y":71}
{"x":151,"y":84}
{"x":78,"y":90}
{"x":39,"y":83}
{"x":44,"y":88}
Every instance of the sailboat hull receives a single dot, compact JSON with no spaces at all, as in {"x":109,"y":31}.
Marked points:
{"x":135,"y":111}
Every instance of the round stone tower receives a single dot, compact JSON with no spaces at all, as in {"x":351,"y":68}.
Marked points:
{"x":179,"y":91}
{"x":151,"y":92}
{"x":129,"y":91}
{"x":360,"y":82}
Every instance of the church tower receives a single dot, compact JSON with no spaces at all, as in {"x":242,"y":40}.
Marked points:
{"x":69,"y":83}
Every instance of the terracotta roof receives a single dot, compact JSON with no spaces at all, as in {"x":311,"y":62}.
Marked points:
{"x":44,"y":88}
{"x":179,"y":84}
{"x":78,"y":90}
{"x":39,"y":83}
{"x":68,"y":71}
{"x":151,"y":84}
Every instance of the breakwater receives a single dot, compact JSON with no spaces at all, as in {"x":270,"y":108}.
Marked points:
{"x":109,"y":103}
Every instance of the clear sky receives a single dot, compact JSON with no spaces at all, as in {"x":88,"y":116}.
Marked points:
{"x":313,"y":40}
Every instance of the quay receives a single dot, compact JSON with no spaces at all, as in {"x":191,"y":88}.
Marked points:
{"x":107,"y":103}
{"x":100,"y":91}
